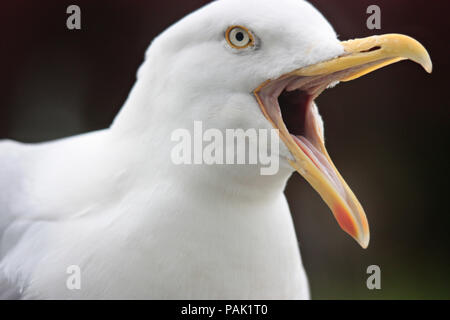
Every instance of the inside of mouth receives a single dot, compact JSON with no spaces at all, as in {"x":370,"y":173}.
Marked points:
{"x":293,"y":108}
{"x":296,"y":108}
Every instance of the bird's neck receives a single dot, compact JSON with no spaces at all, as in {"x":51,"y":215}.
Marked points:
{"x":154,"y":110}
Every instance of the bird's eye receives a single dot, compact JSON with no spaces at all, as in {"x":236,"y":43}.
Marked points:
{"x":239,"y":37}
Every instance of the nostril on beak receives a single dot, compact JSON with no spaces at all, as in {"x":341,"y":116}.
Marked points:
{"x":372,"y":49}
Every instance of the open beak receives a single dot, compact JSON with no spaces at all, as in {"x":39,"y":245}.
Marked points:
{"x":288,"y":103}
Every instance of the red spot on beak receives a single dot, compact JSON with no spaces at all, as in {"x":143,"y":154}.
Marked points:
{"x":345,"y":220}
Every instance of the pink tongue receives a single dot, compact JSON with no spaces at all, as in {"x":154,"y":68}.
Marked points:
{"x":320,"y":161}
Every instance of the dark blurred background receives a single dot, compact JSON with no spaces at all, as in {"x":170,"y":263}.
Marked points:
{"x":386,"y":132}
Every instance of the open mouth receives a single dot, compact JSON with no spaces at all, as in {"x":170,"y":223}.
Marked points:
{"x":288,"y":104}
{"x":296,"y":106}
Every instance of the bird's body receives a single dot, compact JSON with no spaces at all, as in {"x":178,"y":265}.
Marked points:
{"x":139,"y":226}
{"x":146,"y":233}
{"x":114,"y":204}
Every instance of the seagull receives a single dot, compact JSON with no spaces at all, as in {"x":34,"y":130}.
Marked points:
{"x":113,"y":204}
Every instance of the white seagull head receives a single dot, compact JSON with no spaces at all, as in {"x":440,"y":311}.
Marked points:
{"x":260,"y":64}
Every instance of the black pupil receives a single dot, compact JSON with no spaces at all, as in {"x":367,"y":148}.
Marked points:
{"x":239,"y":36}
